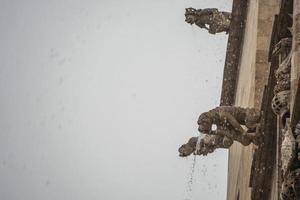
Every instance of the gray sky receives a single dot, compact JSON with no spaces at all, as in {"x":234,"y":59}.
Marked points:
{"x":97,"y":96}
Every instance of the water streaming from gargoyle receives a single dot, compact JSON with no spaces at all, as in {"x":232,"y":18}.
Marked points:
{"x":192,"y":172}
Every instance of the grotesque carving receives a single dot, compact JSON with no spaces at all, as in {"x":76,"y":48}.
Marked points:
{"x":210,"y":19}
{"x":207,"y":145}
{"x":228,"y":121}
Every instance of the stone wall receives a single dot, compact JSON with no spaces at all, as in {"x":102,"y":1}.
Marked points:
{"x":252,"y":77}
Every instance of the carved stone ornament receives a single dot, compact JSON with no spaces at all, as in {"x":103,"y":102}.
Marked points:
{"x":228,"y":121}
{"x":290,"y":189}
{"x":288,"y":149}
{"x":281,"y":102}
{"x":283,"y":75}
{"x":209,"y":18}
{"x":207,"y":144}
{"x":283,"y":46}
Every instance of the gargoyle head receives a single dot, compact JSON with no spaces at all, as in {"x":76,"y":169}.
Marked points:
{"x":205,"y":123}
{"x":186,"y":150}
{"x":190,"y":15}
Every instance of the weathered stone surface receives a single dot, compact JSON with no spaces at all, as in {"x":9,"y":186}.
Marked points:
{"x":281,"y":102}
{"x":228,"y":121}
{"x":233,"y":53}
{"x":291,"y":185}
{"x":210,"y":19}
{"x":252,"y":75}
{"x":288,"y":150}
{"x":207,"y":145}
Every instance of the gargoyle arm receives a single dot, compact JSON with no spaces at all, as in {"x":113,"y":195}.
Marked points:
{"x":202,"y":25}
{"x":232,"y":121}
{"x":212,"y":31}
{"x":208,"y":11}
{"x":221,"y":132}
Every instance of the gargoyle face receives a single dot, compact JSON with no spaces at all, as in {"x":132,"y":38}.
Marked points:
{"x":185,"y":150}
{"x":191,"y":19}
{"x":205,"y":123}
{"x":190,"y":15}
{"x":204,"y":127}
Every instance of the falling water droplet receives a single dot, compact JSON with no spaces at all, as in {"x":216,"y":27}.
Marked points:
{"x":192,"y":171}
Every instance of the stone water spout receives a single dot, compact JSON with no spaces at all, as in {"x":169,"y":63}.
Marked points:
{"x":208,"y":144}
{"x":228,"y":122}
{"x":211,"y":19}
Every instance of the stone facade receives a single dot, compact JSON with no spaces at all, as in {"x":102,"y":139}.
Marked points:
{"x":261,"y":74}
{"x":274,"y":171}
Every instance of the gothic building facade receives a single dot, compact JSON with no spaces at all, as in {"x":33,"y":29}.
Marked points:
{"x":266,"y":77}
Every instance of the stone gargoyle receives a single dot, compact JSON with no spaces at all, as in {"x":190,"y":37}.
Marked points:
{"x":228,"y":120}
{"x":207,"y":145}
{"x":210,"y":19}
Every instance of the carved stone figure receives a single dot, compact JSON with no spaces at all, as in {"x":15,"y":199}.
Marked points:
{"x":209,"y":18}
{"x":207,"y":145}
{"x":228,"y":120}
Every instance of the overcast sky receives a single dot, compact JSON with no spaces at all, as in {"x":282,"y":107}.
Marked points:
{"x":97,"y":96}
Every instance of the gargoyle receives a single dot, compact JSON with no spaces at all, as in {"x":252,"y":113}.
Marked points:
{"x":209,"y":18}
{"x":207,"y":145}
{"x":228,"y":121}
